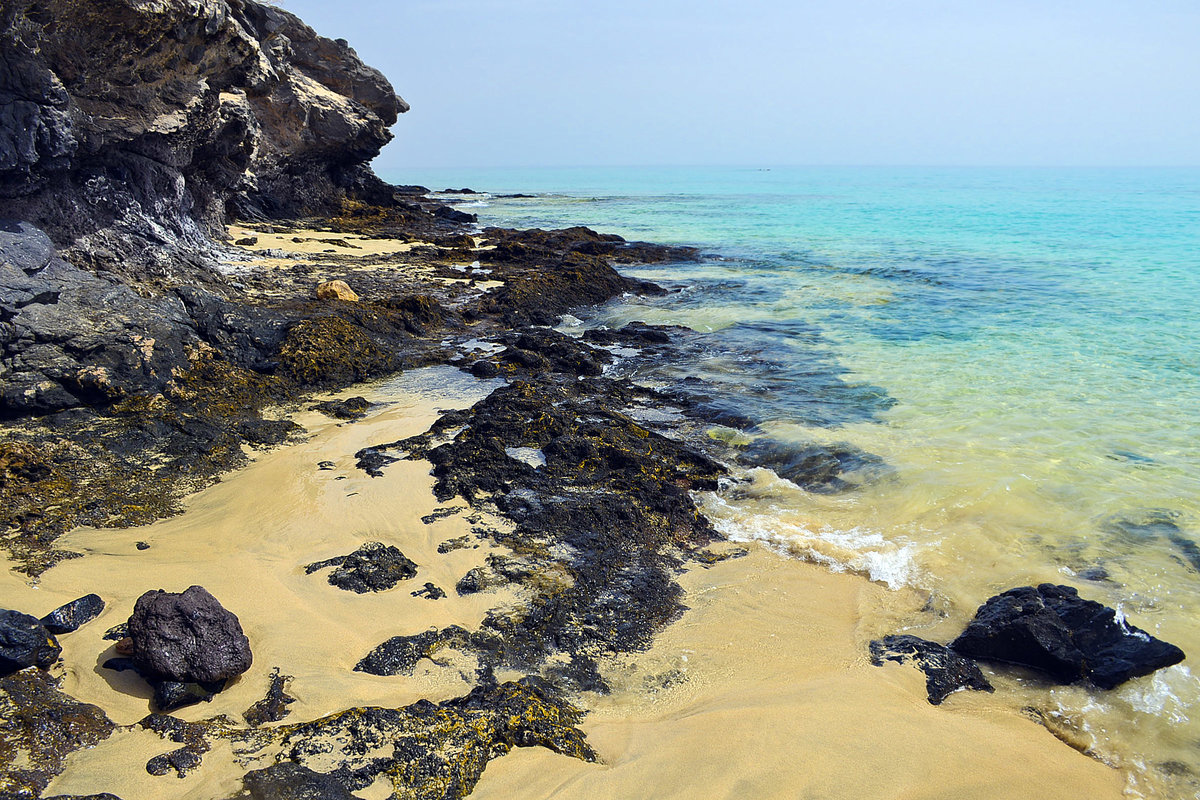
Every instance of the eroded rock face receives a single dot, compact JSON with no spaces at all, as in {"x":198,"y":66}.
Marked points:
{"x":129,"y":128}
{"x":187,"y":637}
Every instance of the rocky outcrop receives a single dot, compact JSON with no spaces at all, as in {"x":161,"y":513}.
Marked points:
{"x":130,"y":130}
{"x":1053,"y":630}
{"x":374,"y":567}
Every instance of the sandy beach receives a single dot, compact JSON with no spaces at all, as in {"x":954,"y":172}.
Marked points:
{"x":762,"y":689}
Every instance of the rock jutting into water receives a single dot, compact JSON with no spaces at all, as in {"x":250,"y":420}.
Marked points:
{"x":945,"y":671}
{"x":1051,"y":629}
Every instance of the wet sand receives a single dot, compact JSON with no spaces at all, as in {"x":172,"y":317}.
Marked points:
{"x":763,"y":689}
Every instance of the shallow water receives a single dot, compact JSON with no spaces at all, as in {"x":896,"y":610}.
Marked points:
{"x":1018,"y":346}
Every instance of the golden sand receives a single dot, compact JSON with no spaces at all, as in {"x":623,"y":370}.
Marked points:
{"x":762,"y":689}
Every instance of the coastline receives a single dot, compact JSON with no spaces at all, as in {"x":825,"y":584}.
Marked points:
{"x":440,"y":524}
{"x":230,"y":510}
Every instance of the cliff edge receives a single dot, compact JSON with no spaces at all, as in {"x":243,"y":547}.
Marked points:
{"x":130,"y":130}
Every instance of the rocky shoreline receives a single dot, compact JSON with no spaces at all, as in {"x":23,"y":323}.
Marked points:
{"x":192,"y":244}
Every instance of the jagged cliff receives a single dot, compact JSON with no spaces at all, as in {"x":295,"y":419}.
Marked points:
{"x":131,"y":129}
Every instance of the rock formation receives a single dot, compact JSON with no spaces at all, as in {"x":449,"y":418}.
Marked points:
{"x":130,"y":130}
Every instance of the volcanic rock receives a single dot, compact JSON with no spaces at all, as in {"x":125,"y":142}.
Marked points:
{"x":130,"y":128}
{"x":290,"y":781}
{"x":945,"y":671}
{"x":373,"y":567}
{"x":25,"y":642}
{"x":1051,"y":629}
{"x":70,"y":617}
{"x":39,"y":727}
{"x":187,"y":637}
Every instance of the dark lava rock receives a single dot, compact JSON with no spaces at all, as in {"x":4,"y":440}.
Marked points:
{"x":453,"y":214}
{"x":945,"y":671}
{"x":70,"y":617}
{"x":171,"y":695}
{"x":273,"y":707}
{"x":430,"y":592}
{"x":187,"y":637}
{"x":290,"y":781}
{"x":183,"y":761}
{"x":350,"y":408}
{"x":25,"y":642}
{"x":599,"y":531}
{"x":400,"y":654}
{"x":117,"y":632}
{"x":484,"y":369}
{"x":371,"y":460}
{"x":39,"y":727}
{"x":474,"y":581}
{"x":813,"y":467}
{"x":374,"y":567}
{"x":1051,"y":629}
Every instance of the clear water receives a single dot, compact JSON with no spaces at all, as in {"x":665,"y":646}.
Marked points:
{"x":1018,"y":346}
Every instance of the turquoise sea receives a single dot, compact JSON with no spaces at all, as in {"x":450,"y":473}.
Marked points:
{"x":1020,"y":348}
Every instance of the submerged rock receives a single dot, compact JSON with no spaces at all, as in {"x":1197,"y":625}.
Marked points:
{"x":1052,"y":630}
{"x":945,"y":671}
{"x":374,"y":567}
{"x":813,"y":467}
{"x":187,"y":638}
{"x":69,"y":617}
{"x":25,"y":642}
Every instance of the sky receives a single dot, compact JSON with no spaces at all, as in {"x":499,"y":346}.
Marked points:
{"x":516,"y":83}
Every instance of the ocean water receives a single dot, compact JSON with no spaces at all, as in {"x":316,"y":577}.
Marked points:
{"x":1015,"y":351}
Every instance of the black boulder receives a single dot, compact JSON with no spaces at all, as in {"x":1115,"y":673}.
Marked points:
{"x":1051,"y":629}
{"x":25,"y":642}
{"x":69,"y":617}
{"x":187,"y":637}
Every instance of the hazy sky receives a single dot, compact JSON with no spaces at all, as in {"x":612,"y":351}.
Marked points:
{"x":771,"y":82}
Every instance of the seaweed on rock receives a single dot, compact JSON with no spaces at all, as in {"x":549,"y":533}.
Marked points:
{"x":601,"y":529}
